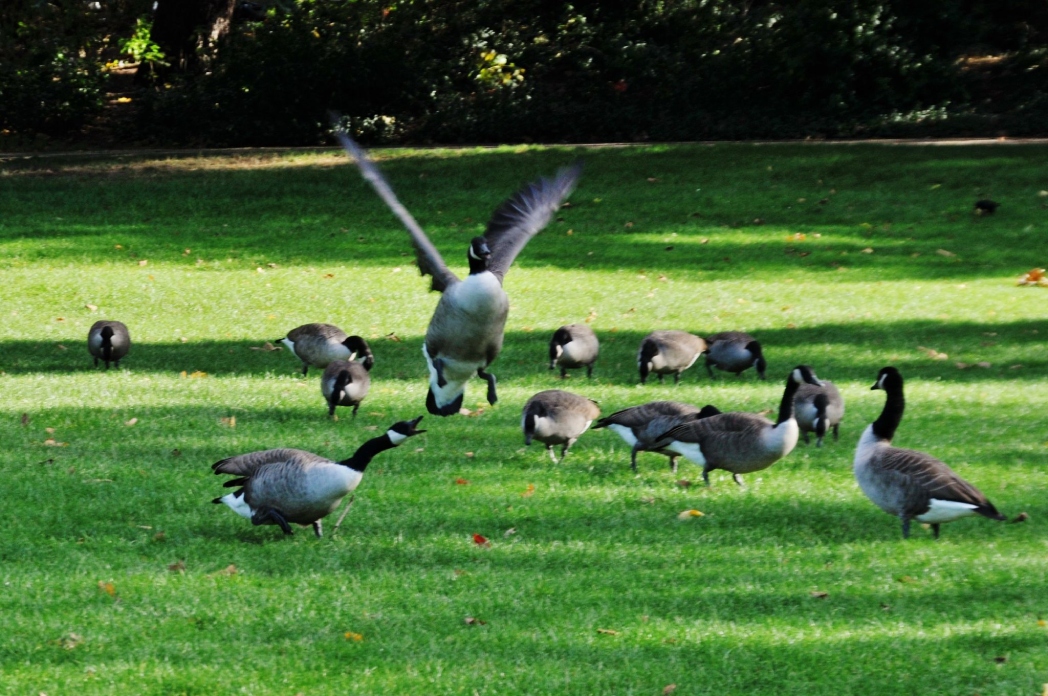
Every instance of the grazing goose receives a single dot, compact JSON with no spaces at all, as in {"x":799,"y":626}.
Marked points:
{"x":345,"y":383}
{"x":284,"y":486}
{"x":572,"y":346}
{"x":734,"y":351}
{"x":818,"y":410}
{"x":108,"y":341}
{"x":466,"y":331}
{"x":909,"y":484}
{"x":739,"y":442}
{"x":320,"y":344}
{"x":556,"y":417}
{"x":668,"y":352}
{"x":640,"y":425}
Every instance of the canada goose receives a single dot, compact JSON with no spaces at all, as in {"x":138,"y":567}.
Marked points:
{"x":818,"y":410}
{"x":281,"y":486}
{"x":668,"y":352}
{"x":640,"y":425}
{"x":345,"y":383}
{"x":466,"y":331}
{"x":556,"y":417}
{"x":320,"y":344}
{"x":574,"y":345}
{"x":108,"y":340}
{"x":909,"y":484}
{"x":734,"y":351}
{"x":739,"y":442}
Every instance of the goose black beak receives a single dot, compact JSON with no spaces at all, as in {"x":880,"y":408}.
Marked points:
{"x":413,"y":423}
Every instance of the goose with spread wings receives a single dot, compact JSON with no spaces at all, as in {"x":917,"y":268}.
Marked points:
{"x":465,"y":334}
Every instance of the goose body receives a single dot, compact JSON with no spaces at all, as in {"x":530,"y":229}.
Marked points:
{"x":734,"y":351}
{"x":668,"y":353}
{"x":573,"y":346}
{"x":291,"y":486}
{"x":739,"y":442}
{"x":108,"y":341}
{"x":465,"y":333}
{"x":819,"y":409}
{"x":556,"y":417}
{"x":908,"y":484}
{"x":321,"y":344}
{"x":640,"y":425}
{"x":345,"y":383}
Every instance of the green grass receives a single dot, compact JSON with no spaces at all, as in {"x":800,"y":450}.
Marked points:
{"x":720,"y":604}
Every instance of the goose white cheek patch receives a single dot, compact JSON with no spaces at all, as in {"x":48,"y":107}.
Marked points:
{"x":395,"y":437}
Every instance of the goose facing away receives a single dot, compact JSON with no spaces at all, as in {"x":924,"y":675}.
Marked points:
{"x":556,"y":417}
{"x":668,"y":352}
{"x":108,"y":341}
{"x":908,"y":484}
{"x":573,"y":346}
{"x":819,"y":409}
{"x":290,"y":486}
{"x":640,"y":425}
{"x":465,"y":333}
{"x":740,"y":442}
{"x":345,"y":383}
{"x":734,"y":351}
{"x":321,"y":344}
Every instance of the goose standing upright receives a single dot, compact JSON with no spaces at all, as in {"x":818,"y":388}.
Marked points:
{"x":819,"y":409}
{"x":572,"y":346}
{"x":640,"y":425}
{"x":734,"y":351}
{"x":345,"y":383}
{"x":285,"y":486}
{"x":556,"y":417}
{"x":668,"y":352}
{"x":320,"y":344}
{"x":465,"y":333}
{"x":740,"y":442}
{"x":908,"y":484}
{"x":108,"y":341}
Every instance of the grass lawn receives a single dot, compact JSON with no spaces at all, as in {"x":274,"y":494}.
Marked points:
{"x":119,"y":576}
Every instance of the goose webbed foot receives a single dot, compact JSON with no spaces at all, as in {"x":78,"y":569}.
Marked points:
{"x":906,"y":528}
{"x":318,"y":529}
{"x":305,"y":369}
{"x":271,"y":516}
{"x":490,"y":379}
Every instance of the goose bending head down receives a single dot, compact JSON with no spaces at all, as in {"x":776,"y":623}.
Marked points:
{"x":556,"y":417}
{"x":108,"y":341}
{"x":819,"y":409}
{"x":345,"y":383}
{"x":290,"y":486}
{"x":465,"y":334}
{"x":319,"y":345}
{"x":906,"y":483}
{"x":573,"y":346}
{"x":640,"y":425}
{"x":739,"y":442}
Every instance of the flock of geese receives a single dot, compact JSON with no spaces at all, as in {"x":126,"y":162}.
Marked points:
{"x":288,"y":486}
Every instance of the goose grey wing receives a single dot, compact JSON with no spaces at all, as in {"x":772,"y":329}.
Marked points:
{"x":523,"y":216}
{"x":931,"y":475}
{"x":247,"y":465}
{"x":429,"y":259}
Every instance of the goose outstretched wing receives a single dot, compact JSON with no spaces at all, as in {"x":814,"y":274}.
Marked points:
{"x":429,"y":260}
{"x":523,"y":215}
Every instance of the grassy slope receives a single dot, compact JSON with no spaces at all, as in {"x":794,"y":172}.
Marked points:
{"x":720,"y":604}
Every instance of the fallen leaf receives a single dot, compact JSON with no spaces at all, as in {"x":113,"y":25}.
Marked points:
{"x":461,"y":482}
{"x":51,"y":442}
{"x":684,"y":483}
{"x":91,"y":307}
{"x":228,"y":570}
{"x":688,"y":514}
{"x":49,"y":431}
{"x":628,"y":225}
{"x":529,"y":491}
{"x":607,"y":631}
{"x":481,"y":540}
{"x":329,"y":275}
{"x":943,"y":252}
{"x":107,"y":587}
{"x":61,"y":347}
{"x":905,"y":578}
{"x":1021,"y":517}
{"x":196,"y":374}
{"x":933,"y":354}
{"x":177,"y":567}
{"x":25,"y":419}
{"x":183,"y":339}
{"x":984,"y":365}
{"x":131,"y":422}
{"x":160,"y":536}
{"x":1042,"y":623}
{"x":652,"y":179}
{"x":1014,"y":367}
{"x":267,"y":346}
{"x":143,"y":262}
{"x":1035,"y":276}
{"x":230,"y":422}
{"x":176,"y":452}
{"x":668,"y":689}
{"x":867,"y":250}
{"x":509,"y":532}
{"x":962,"y":366}
{"x":473,"y":621}
{"x":355,"y":637}
{"x":819,"y":595}
{"x":70,"y":641}
{"x":796,"y":237}
{"x":469,"y":455}
{"x":59,"y":318}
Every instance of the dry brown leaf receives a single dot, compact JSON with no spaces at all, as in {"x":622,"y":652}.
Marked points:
{"x":607,"y":631}
{"x":329,"y":275}
{"x":160,"y":536}
{"x":196,"y":374}
{"x":905,"y":579}
{"x":177,"y":567}
{"x":1021,"y":517}
{"x":684,"y":483}
{"x":943,"y":252}
{"x":228,"y":570}
{"x":461,"y":482}
{"x":529,"y":491}
{"x":817,"y":594}
{"x":867,"y":250}
{"x":668,"y":689}
{"x":143,"y":262}
{"x":469,"y":455}
{"x":107,"y":587}
{"x":1035,"y":276}
{"x":267,"y":347}
{"x":474,"y":621}
{"x":796,"y":237}
{"x":93,"y":308}
{"x":230,"y":422}
{"x":933,"y":354}
{"x":51,"y":442}
{"x":131,"y":422}
{"x":393,"y":337}
{"x":70,"y":641}
{"x":61,"y":347}
{"x":628,"y":225}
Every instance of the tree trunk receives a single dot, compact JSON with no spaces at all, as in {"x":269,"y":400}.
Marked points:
{"x":187,"y":31}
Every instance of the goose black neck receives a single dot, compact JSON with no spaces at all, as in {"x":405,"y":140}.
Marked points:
{"x":786,"y":405}
{"x":362,"y":457}
{"x":477,"y":265}
{"x":885,"y":425}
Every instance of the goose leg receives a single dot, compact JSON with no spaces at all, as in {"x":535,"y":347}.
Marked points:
{"x":563,"y":373}
{"x":818,"y":442}
{"x":564,"y":449}
{"x":305,"y":369}
{"x":905,"y":527}
{"x":356,"y":407}
{"x":709,"y":368}
{"x":589,"y":371}
{"x":271,"y":516}
{"x":490,"y":379}
{"x":935,"y":530}
{"x":660,"y":378}
{"x":116,"y":363}
{"x":331,"y":408}
{"x":96,"y":362}
{"x":836,"y":432}
{"x":806,"y":439}
{"x":633,"y":457}
{"x":552,"y":455}
{"x":676,"y":378}
{"x":107,"y":364}
{"x":673,"y":463}
{"x":706,"y":474}
{"x":318,"y":530}
{"x":438,"y":365}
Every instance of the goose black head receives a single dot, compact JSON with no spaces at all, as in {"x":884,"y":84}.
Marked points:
{"x":479,"y":253}
{"x":360,"y":349}
{"x":398,"y":432}
{"x":707,"y":411}
{"x":561,"y":337}
{"x":758,"y":358}
{"x":887,"y":378}
{"x":804,"y":373}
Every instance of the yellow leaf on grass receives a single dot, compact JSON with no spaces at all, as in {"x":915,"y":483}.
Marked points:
{"x":529,"y":491}
{"x":91,"y":307}
{"x":688,"y":514}
{"x":355,"y":637}
{"x":107,"y":587}
{"x":607,"y":631}
{"x":230,"y":422}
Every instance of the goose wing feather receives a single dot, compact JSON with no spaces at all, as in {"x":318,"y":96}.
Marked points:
{"x":724,"y":438}
{"x":922,"y":472}
{"x":637,"y":416}
{"x":248,"y":465}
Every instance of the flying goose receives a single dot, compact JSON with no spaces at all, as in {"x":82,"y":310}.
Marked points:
{"x":572,"y":346}
{"x":640,"y":425}
{"x":668,"y":352}
{"x":818,"y":410}
{"x":909,"y":484}
{"x":739,"y":442}
{"x":320,"y":344}
{"x":345,"y":383}
{"x":108,"y":341}
{"x":734,"y":351}
{"x":284,"y":486}
{"x":556,"y":417}
{"x":466,"y":331}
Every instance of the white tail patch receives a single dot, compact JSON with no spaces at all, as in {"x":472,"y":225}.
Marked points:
{"x":624,"y":432}
{"x":238,"y":504}
{"x":452,"y":389}
{"x":689,"y":450}
{"x":946,"y":511}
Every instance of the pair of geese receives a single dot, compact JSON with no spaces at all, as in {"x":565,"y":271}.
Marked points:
{"x":286,"y":486}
